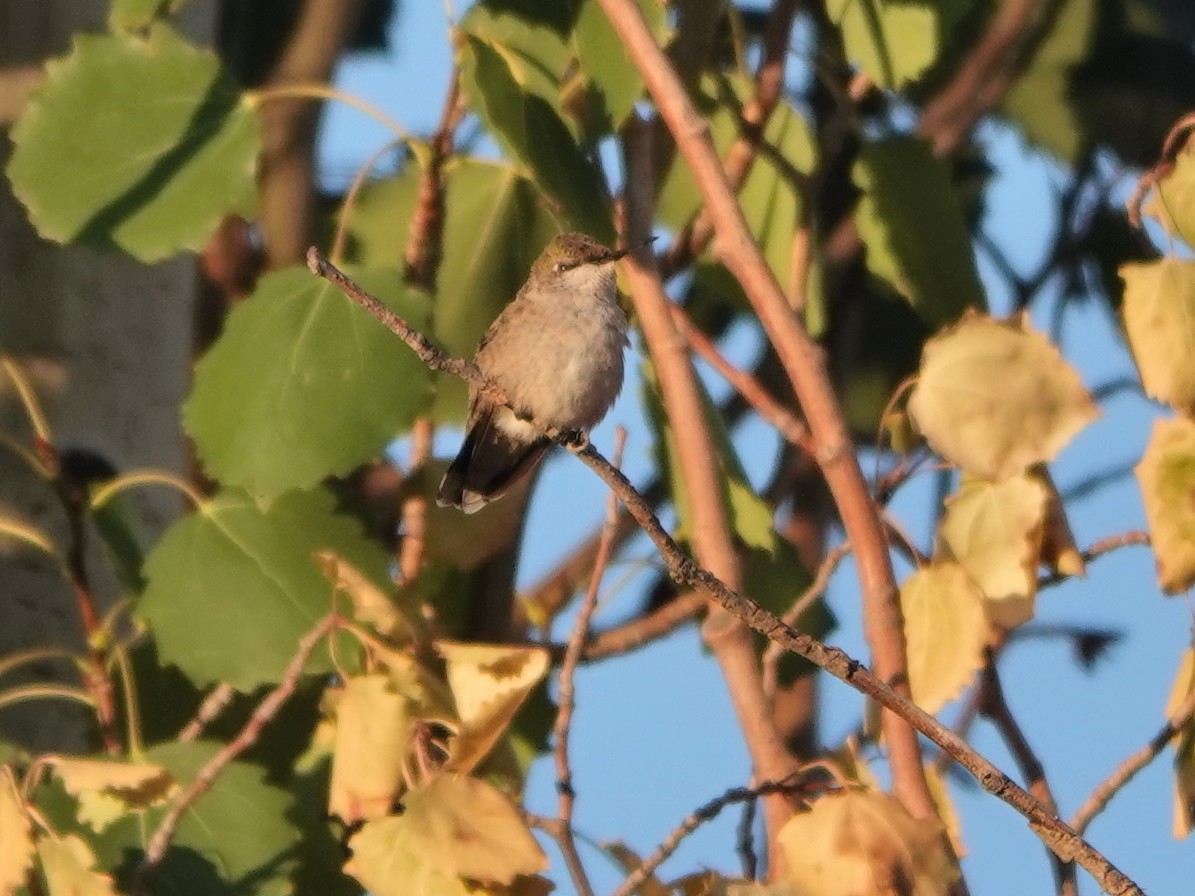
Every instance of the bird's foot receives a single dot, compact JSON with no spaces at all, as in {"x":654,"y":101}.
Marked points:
{"x":575,"y":440}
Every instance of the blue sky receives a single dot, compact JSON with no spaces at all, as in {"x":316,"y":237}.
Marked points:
{"x":654,"y":735}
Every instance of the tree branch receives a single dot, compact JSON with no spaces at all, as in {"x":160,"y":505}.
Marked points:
{"x":833,"y":660}
{"x":700,"y":470}
{"x":804,"y":364}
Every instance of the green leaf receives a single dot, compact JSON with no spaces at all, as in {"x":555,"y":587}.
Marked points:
{"x":534,"y":48}
{"x":495,"y":225}
{"x":750,"y":515}
{"x":530,"y":130}
{"x":1176,"y":192}
{"x":995,"y":397}
{"x":912,"y":223}
{"x":892,"y":41}
{"x":135,"y":15}
{"x":1166,"y":475}
{"x":1042,"y":99}
{"x":233,"y":588}
{"x":304,"y":384}
{"x":240,"y":824}
{"x":614,"y":80}
{"x":771,"y":195}
{"x":140,"y":144}
{"x":1159,"y":317}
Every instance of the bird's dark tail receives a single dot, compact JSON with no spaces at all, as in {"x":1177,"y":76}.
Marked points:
{"x":490,"y":461}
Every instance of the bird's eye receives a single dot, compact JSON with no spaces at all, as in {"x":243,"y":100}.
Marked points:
{"x":560,"y":267}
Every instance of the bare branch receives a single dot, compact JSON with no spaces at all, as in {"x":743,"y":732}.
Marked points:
{"x":1128,"y":769}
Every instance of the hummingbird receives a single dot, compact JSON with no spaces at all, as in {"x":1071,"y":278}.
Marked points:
{"x":556,"y":353}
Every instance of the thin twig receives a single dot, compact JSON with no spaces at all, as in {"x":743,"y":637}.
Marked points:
{"x":684,"y":570}
{"x":211,"y":707}
{"x":811,"y":595}
{"x":639,"y":631}
{"x":567,"y":695}
{"x":699,"y":816}
{"x":415,"y":507}
{"x":1097,"y":550}
{"x":994,"y":706}
{"x":1128,"y":769}
{"x":265,"y":711}
{"x":791,"y":429}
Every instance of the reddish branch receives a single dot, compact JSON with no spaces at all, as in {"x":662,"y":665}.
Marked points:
{"x":701,"y":472}
{"x":804,"y":364}
{"x":984,"y":78}
{"x":1064,"y":841}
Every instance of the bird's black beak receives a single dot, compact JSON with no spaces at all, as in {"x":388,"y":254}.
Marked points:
{"x":620,"y":253}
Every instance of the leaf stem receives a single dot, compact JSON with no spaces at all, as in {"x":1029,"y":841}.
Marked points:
{"x":324,"y":92}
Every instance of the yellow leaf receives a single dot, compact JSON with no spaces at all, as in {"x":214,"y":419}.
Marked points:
{"x":109,"y":789}
{"x":371,"y":605}
{"x":1184,"y":748}
{"x":373,"y":731}
{"x":1159,"y":317}
{"x":67,"y":865}
{"x":453,"y":829}
{"x":994,"y":530}
{"x":16,"y":841}
{"x":995,"y":398}
{"x":864,"y":843}
{"x":489,"y":683}
{"x":1058,"y":549}
{"x":940,"y":793}
{"x":632,"y":861}
{"x":1176,"y":192}
{"x":1166,"y":475}
{"x":946,"y":629}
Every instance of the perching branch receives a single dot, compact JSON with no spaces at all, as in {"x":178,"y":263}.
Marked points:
{"x":1064,"y":841}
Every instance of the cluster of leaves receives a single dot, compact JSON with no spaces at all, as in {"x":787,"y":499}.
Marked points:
{"x":302,"y":386}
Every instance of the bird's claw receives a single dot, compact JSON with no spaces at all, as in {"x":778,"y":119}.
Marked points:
{"x":575,"y":440}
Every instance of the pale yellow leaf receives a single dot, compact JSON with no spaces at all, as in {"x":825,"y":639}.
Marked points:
{"x":1159,"y":317}
{"x":373,"y":731}
{"x":632,"y":861}
{"x":939,"y":791}
{"x":946,"y":629}
{"x":1166,"y":475}
{"x":384,"y":612}
{"x":995,"y":398}
{"x":994,"y":530}
{"x":864,"y":843}
{"x":1058,"y":548}
{"x":109,"y":789}
{"x":454,"y":828}
{"x":16,"y":840}
{"x":489,"y":683}
{"x":67,"y":864}
{"x":1184,"y":748}
{"x":1176,"y":194}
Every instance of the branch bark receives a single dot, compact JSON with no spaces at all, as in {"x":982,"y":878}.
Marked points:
{"x":804,"y":364}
